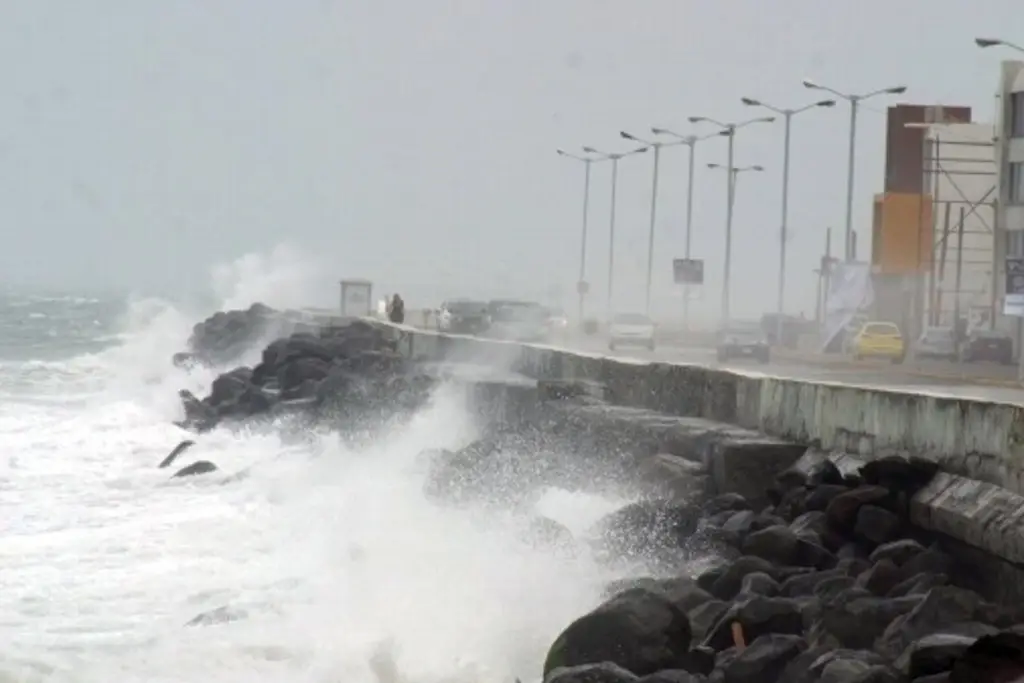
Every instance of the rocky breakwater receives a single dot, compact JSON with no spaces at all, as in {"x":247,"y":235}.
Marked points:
{"x":226,"y":335}
{"x":350,"y":376}
{"x":826,"y":582}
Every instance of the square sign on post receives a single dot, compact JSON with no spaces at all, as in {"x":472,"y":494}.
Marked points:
{"x":1013,"y":303}
{"x":688,"y":271}
{"x":356,"y":298}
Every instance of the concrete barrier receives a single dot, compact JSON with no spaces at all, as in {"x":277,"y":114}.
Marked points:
{"x":978,"y":501}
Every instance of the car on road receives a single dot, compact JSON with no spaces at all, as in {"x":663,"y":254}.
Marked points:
{"x":879,"y":339}
{"x":631,"y":329}
{"x":463,"y":316}
{"x":937,"y":343}
{"x":522,"y":321}
{"x":737,"y":340}
{"x":987,"y":345}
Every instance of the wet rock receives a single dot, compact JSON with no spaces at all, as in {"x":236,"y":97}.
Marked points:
{"x":220,"y":615}
{"x":226,"y":335}
{"x":876,"y":525}
{"x":352,"y":373}
{"x":855,"y":618}
{"x":547,"y":532}
{"x":758,"y":583}
{"x":674,"y":676}
{"x":898,"y":474}
{"x":757,"y":616}
{"x":997,"y":658}
{"x":639,"y":630}
{"x":842,"y":510}
{"x":198,"y":467}
{"x":600,"y":672}
{"x":178,"y":450}
{"x":880,"y":578}
{"x":780,"y":545}
{"x":899,"y":552}
{"x":934,"y":654}
{"x":763,"y":660}
{"x":824,"y":472}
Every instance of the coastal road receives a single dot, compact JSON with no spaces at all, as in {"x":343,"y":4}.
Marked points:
{"x":987,"y":382}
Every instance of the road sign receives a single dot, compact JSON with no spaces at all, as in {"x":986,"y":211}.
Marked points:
{"x":582,"y":287}
{"x":688,"y":271}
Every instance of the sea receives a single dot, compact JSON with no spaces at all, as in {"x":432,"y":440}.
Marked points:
{"x":329,"y":558}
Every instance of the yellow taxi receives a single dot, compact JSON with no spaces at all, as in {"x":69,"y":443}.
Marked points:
{"x":879,"y":340}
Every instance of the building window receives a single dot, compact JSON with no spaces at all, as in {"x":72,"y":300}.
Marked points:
{"x":1015,"y":243}
{"x":1017,"y":114}
{"x":1015,"y":189}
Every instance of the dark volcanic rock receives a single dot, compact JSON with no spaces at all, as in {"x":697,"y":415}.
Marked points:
{"x":639,"y":630}
{"x":198,"y":467}
{"x":226,"y":335}
{"x":351,"y":373}
{"x":178,"y":450}
{"x":648,"y":527}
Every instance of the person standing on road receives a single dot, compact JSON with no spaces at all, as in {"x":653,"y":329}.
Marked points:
{"x":397,"y":312}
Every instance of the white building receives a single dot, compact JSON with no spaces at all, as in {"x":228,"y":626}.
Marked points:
{"x":1010,"y":179}
{"x":960,"y":175}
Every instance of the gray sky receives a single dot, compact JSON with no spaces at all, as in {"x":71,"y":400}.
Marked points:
{"x":412,"y":142}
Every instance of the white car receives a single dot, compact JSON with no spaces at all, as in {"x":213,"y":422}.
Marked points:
{"x":631,"y":329}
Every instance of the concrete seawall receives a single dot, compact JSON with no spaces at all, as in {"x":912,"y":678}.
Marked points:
{"x":979,"y":445}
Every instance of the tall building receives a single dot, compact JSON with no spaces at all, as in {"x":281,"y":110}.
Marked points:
{"x":904,"y":215}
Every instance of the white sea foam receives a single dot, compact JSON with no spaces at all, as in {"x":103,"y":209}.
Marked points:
{"x":330,"y":552}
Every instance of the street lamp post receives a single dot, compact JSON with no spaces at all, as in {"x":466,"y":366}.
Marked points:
{"x":993,"y":42}
{"x":691,"y":142}
{"x":854,"y":100}
{"x":614,"y":158}
{"x":656,"y":146}
{"x":787,"y":117}
{"x":587,"y":161}
{"x":729,"y":129}
{"x":732,"y":176}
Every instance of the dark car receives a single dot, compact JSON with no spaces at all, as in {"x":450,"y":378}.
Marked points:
{"x":523,"y":321}
{"x":742,"y":341}
{"x":463,"y":316}
{"x":987,"y":345}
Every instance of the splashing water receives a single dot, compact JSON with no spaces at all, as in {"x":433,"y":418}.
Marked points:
{"x":327,"y":553}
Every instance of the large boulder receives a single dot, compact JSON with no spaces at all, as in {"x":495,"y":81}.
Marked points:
{"x":639,"y":630}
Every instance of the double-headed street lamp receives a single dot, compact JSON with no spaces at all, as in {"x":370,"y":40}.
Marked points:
{"x":787,"y":116}
{"x":614,"y":158}
{"x":729,"y":130}
{"x":854,"y":100}
{"x":580,"y":285}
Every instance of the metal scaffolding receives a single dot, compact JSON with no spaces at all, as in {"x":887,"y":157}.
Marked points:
{"x":946,"y":165}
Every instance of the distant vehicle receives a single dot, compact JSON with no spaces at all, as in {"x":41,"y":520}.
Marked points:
{"x":517,"y":321}
{"x":987,"y":345}
{"x":631,"y":329}
{"x":557,"y":320}
{"x":936,"y":342}
{"x":463,"y":316}
{"x":742,"y":341}
{"x":879,"y":340}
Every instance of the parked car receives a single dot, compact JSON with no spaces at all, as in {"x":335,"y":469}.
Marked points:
{"x":990,"y":345}
{"x":737,"y":340}
{"x":463,"y":316}
{"x":879,"y":340}
{"x":631,"y":329}
{"x":521,"y":321}
{"x":937,"y":342}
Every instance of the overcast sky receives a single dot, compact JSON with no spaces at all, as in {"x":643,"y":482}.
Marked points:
{"x":411,"y":142}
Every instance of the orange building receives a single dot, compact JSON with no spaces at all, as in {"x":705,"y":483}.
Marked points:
{"x":901,"y":233}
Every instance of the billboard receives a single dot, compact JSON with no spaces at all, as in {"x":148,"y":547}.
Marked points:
{"x":688,"y":271}
{"x":850,"y":293}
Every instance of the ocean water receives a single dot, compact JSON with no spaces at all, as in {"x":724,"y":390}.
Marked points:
{"x":331,"y":554}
